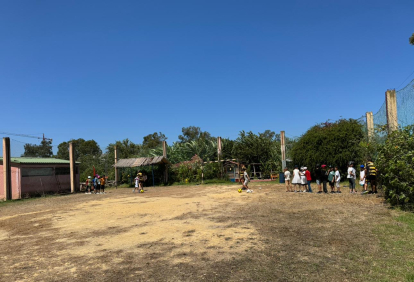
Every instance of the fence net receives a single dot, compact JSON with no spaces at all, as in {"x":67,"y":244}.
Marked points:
{"x":405,"y":105}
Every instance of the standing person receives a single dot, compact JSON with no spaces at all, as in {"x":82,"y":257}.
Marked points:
{"x":103,"y":180}
{"x":303,"y":181}
{"x":324,"y":175}
{"x":331,"y":179}
{"x":351,"y":177}
{"x":88,"y":185}
{"x":136,"y":183}
{"x":318,"y":175}
{"x":98,"y":184}
{"x":95,"y":183}
{"x":362,"y":179}
{"x":296,"y":178}
{"x":337,"y":180}
{"x":308,"y":179}
{"x":372,"y":176}
{"x":246,"y":181}
{"x":287,"y":180}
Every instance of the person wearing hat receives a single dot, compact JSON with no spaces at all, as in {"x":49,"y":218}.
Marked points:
{"x":362,"y":179}
{"x":88,"y":185}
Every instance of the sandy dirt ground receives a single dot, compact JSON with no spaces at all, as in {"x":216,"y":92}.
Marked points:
{"x":189,"y":233}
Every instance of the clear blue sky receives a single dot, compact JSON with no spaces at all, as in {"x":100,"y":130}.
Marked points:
{"x":110,"y":70}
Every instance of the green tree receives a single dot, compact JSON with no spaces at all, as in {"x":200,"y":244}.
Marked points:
{"x":263,"y":148}
{"x":330,"y":143}
{"x":44,"y":150}
{"x":82,"y":148}
{"x":411,"y":39}
{"x":154,"y":140}
{"x":193,"y":133}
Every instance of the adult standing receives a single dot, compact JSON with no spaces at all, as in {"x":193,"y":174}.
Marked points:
{"x":296,"y":178}
{"x":372,"y":176}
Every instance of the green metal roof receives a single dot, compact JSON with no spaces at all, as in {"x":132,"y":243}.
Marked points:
{"x":38,"y":161}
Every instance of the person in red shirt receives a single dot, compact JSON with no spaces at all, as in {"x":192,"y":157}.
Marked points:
{"x":308,"y":178}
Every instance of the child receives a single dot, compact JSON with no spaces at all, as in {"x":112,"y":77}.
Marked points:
{"x":362,"y":180}
{"x":331,"y":179}
{"x":98,"y":184}
{"x":303,"y":181}
{"x":324,"y":174}
{"x":246,"y":181}
{"x":287,"y":180}
{"x":351,"y":177}
{"x":136,"y":183}
{"x":88,"y":185}
{"x":103,"y":184}
{"x":337,"y":180}
{"x":308,"y":179}
{"x":296,"y":177}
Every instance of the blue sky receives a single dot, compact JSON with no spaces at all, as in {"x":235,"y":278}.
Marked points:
{"x":110,"y":70}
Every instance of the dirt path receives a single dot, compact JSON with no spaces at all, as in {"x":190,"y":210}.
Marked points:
{"x":189,"y":233}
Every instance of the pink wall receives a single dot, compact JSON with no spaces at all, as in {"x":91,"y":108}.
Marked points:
{"x":15,"y":182}
{"x":36,"y":184}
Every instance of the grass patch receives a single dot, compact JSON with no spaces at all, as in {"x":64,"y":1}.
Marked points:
{"x":394,"y":260}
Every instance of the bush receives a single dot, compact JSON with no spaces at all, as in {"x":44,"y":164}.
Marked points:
{"x":395,"y":164}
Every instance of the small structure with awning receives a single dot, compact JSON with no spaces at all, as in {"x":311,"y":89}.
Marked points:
{"x":146,"y":161}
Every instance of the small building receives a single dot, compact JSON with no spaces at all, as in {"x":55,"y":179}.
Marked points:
{"x":38,"y":176}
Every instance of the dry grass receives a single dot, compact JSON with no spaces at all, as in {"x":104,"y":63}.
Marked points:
{"x":193,"y":233}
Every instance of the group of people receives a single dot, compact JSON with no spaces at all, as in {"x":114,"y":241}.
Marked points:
{"x":95,"y":185}
{"x":301,"y":178}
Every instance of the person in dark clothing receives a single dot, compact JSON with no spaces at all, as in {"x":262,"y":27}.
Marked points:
{"x":324,"y":175}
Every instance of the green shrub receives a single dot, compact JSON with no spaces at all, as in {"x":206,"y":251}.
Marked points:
{"x":395,"y":164}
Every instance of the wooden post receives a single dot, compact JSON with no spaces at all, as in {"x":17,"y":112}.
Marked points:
{"x":392,"y":118}
{"x":164,"y":154}
{"x":370,"y":125}
{"x":219,"y":153}
{"x":116,"y":169}
{"x":72,"y":167}
{"x":283,"y":149}
{"x":7,"y":169}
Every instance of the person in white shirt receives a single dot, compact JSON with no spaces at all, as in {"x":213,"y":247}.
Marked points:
{"x":351,"y":177}
{"x":287,"y":180}
{"x":246,"y":181}
{"x":337,"y":180}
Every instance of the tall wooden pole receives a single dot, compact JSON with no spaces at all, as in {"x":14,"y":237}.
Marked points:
{"x":116,"y":169}
{"x":72,"y":167}
{"x":283,"y":148}
{"x":370,"y":125}
{"x":391,"y":102}
{"x":164,"y":154}
{"x":7,"y":169}
{"x":219,"y":153}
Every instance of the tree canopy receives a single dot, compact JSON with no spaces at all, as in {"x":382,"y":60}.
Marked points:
{"x":411,"y":39}
{"x":193,"y":133}
{"x":44,"y":150}
{"x":329,"y":143}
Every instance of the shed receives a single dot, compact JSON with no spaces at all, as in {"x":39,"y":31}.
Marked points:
{"x":38,"y":176}
{"x":144,"y":161}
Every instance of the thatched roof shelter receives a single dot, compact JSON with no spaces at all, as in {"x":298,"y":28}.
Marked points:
{"x":136,"y":162}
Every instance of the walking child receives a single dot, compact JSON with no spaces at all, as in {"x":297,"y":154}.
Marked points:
{"x":287,"y":180}
{"x":351,"y":177}
{"x":331,"y":179}
{"x":308,"y":179}
{"x":88,"y":185}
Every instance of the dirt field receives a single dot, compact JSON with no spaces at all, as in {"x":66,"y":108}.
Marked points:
{"x":191,"y":233}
